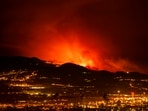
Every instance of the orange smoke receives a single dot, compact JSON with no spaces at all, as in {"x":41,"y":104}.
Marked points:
{"x":83,"y":51}
{"x":72,"y":50}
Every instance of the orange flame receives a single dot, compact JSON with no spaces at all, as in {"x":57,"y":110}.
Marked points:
{"x":73,"y":49}
{"x":74,"y":52}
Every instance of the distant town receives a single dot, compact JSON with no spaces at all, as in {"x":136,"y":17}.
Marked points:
{"x":30,"y":83}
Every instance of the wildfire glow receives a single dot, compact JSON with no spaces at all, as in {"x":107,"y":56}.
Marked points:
{"x":74,"y":52}
{"x":70,"y":49}
{"x":61,"y":49}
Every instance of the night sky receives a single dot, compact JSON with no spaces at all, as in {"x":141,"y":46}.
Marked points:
{"x":103,"y":34}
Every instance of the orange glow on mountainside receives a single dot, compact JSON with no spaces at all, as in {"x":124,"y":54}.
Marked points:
{"x":98,"y":34}
{"x":87,"y":52}
{"x":74,"y":52}
{"x":71,"y":49}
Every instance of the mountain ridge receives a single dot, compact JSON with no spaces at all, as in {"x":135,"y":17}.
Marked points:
{"x":70,"y":74}
{"x":16,"y":62}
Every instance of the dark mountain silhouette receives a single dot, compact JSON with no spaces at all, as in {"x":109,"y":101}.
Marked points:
{"x":19,"y":62}
{"x":72,"y":68}
{"x":76,"y":75}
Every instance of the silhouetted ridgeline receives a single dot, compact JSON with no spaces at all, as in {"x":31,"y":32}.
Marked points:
{"x":76,"y":75}
{"x":19,"y":62}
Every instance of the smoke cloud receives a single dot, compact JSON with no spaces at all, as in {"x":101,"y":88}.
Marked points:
{"x":100,"y":34}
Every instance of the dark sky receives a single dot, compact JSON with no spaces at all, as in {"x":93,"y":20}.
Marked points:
{"x":112,"y":32}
